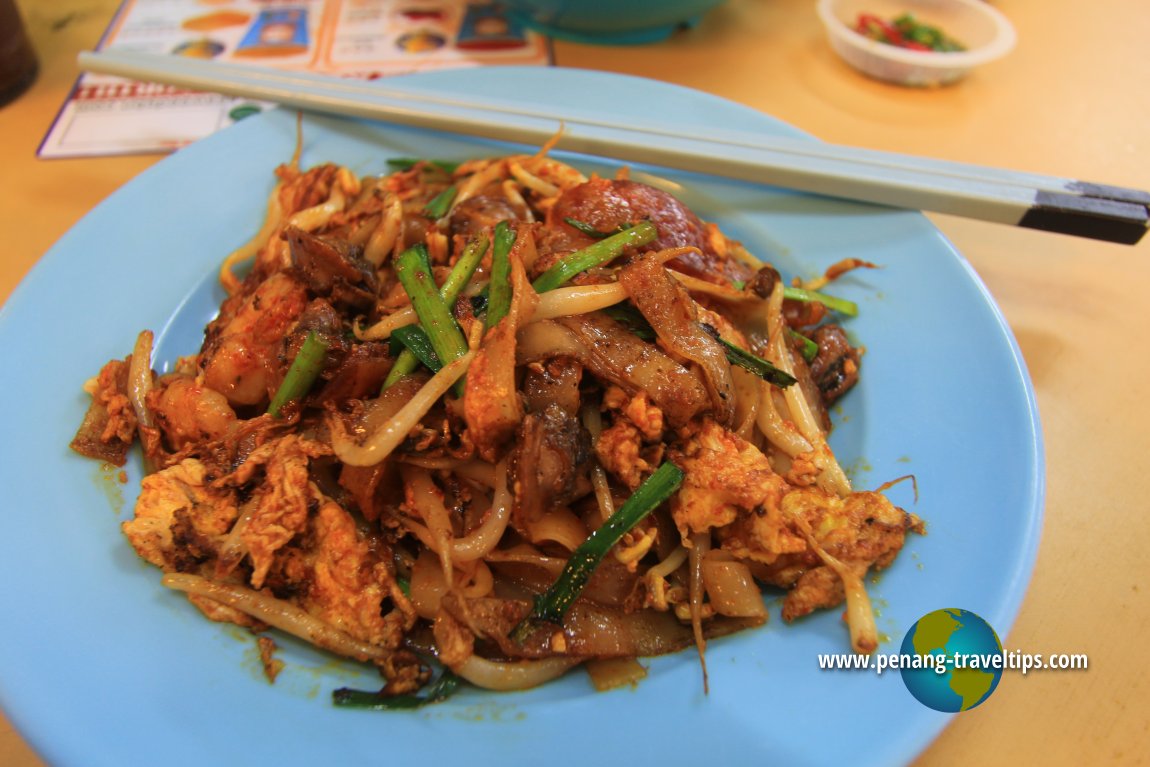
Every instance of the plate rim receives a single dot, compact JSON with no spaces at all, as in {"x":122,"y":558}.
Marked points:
{"x":44,"y":268}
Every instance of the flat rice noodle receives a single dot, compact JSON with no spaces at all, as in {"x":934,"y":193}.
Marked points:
{"x":610,"y":673}
{"x":731,"y":588}
{"x":611,"y":352}
{"x":368,"y":485}
{"x":359,"y":374}
{"x":333,"y":267}
{"x":589,"y":630}
{"x":525,"y":570}
{"x":90,"y":440}
{"x":427,"y":584}
{"x":378,"y":411}
{"x":551,"y":448}
{"x":513,"y":675}
{"x":554,"y":384}
{"x":672,"y":314}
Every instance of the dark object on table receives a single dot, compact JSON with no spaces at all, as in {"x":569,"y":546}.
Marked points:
{"x":18,"y":62}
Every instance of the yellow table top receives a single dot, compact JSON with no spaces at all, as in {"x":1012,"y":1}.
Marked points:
{"x":1071,"y":101}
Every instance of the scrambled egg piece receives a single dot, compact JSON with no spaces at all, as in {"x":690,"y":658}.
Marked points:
{"x":180,"y":523}
{"x":349,"y":583}
{"x":281,"y":510}
{"x":628,"y":448}
{"x":619,"y":449}
{"x":727,"y":478}
{"x":646,"y":416}
{"x":864,"y":531}
{"x":179,"y":515}
{"x":760,"y":518}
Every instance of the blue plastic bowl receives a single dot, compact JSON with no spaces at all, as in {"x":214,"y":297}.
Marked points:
{"x":610,"y":22}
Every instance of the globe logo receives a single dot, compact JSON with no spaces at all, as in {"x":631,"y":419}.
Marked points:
{"x":967,"y":663}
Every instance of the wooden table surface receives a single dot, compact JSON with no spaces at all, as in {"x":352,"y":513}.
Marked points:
{"x":1071,"y":100}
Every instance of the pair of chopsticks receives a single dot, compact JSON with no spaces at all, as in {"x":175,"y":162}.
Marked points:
{"x":1061,"y":205}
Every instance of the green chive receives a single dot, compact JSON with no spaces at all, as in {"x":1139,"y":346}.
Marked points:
{"x":441,"y":203}
{"x":305,"y":368}
{"x":595,"y":254}
{"x":553,"y":604}
{"x":634,"y":321}
{"x":499,"y":289}
{"x":407,"y":163}
{"x":465,"y":266}
{"x":840,"y":305}
{"x":416,"y":341}
{"x":737,"y":355}
{"x":631,"y":318}
{"x":441,"y":689}
{"x":589,"y":230}
{"x":456,"y":281}
{"x":808,"y":348}
{"x":413,"y":268}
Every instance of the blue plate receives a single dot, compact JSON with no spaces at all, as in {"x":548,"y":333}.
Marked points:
{"x":100,"y":665}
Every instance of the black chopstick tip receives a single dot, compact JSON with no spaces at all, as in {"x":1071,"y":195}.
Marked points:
{"x":1108,"y":192}
{"x":1109,"y":220}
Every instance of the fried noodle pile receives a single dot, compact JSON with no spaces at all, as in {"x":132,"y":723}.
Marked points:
{"x":497,"y":418}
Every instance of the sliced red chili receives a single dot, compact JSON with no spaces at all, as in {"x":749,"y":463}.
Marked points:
{"x":879,"y":29}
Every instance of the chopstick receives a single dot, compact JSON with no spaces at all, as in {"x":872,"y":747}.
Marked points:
{"x":1049,"y":203}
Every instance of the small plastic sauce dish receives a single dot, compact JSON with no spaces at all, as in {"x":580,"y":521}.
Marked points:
{"x":983,"y":31}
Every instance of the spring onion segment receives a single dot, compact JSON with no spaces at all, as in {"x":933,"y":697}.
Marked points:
{"x":440,"y":204}
{"x":737,"y":355}
{"x":552,"y":605}
{"x":456,"y":281}
{"x":305,"y":368}
{"x":589,"y":230}
{"x":808,"y":348}
{"x":499,"y":291}
{"x":465,"y":266}
{"x":595,"y":254}
{"x":441,"y":689}
{"x":413,"y":268}
{"x":834,"y":303}
{"x":417,"y":347}
{"x":407,"y":163}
